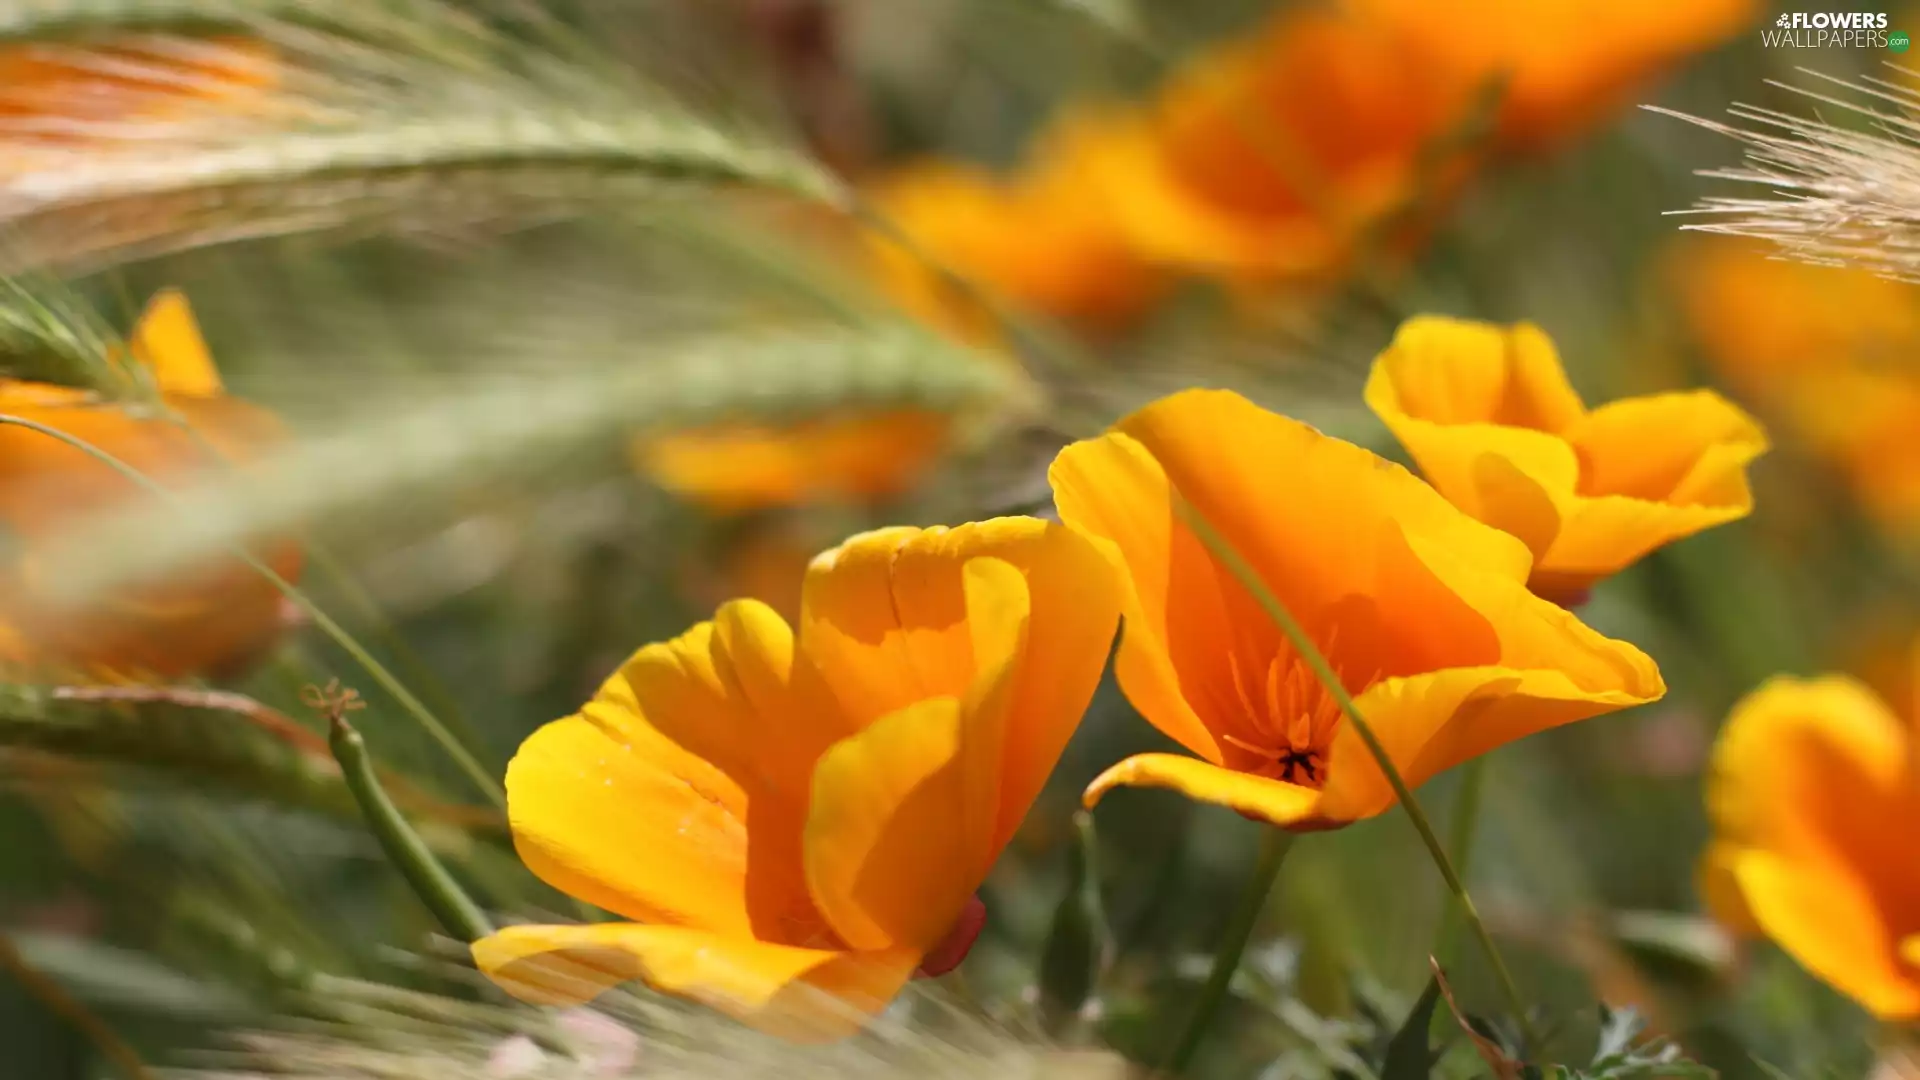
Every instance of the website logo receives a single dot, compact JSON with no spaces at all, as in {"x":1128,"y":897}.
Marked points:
{"x":1833,"y":29}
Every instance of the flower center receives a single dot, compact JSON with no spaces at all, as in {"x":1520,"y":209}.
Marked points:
{"x":1290,"y":720}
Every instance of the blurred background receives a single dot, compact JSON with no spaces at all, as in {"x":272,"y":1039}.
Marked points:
{"x":579,"y":318}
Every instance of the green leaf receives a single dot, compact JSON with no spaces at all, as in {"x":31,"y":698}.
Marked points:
{"x":1409,"y":1056}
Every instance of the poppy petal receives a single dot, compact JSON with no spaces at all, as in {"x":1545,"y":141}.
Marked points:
{"x":1113,"y":491}
{"x":1455,"y":371}
{"x":1719,"y":887}
{"x":1688,"y":449}
{"x":1835,"y":926}
{"x":1429,"y":723}
{"x":886,"y":838}
{"x":1274,"y":801}
{"x":1816,"y":768}
{"x":167,"y":339}
{"x":899,"y":615}
{"x":605,"y":811}
{"x":1041,"y":611}
{"x":674,"y":795}
{"x":796,"y":992}
{"x":1811,"y":788}
{"x":852,"y":626}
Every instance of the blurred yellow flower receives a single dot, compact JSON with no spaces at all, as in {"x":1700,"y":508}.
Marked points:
{"x":1487,"y":413}
{"x":797,"y":819}
{"x":199,"y":622}
{"x":1814,"y":789}
{"x":736,"y":467}
{"x":1423,"y":612}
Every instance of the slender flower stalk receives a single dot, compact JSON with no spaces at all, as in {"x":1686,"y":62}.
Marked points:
{"x":1465,"y":819}
{"x":1274,"y":846}
{"x":437,"y":889}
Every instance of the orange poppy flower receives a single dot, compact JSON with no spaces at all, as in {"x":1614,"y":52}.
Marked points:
{"x":1763,"y":321}
{"x":1273,"y":156}
{"x":1487,"y":413}
{"x":1564,"y":63}
{"x":1422,"y":611}
{"x":797,"y":819}
{"x":201,"y":621}
{"x":1035,"y":241}
{"x":1813,"y":792}
{"x":1826,"y":350}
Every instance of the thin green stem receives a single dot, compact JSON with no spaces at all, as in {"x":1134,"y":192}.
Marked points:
{"x":442,"y":895}
{"x":385,"y":679}
{"x":69,"y":1008}
{"x":1460,"y":830}
{"x":1310,"y":654}
{"x":1233,"y":944}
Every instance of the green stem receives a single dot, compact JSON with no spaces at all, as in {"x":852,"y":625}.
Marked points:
{"x":1310,"y":653}
{"x":1233,"y":944}
{"x":1466,"y":816}
{"x":442,"y":895}
{"x":412,"y":705}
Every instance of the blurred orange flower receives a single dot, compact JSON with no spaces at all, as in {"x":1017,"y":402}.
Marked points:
{"x":1830,"y":352}
{"x":1487,"y":413}
{"x":736,"y":467}
{"x":1273,"y":156}
{"x":1283,"y":155}
{"x":1038,"y":241}
{"x":1563,"y":64}
{"x":797,"y":820}
{"x":199,"y":622}
{"x":1423,"y":612}
{"x":1763,"y":320}
{"x":1813,"y":793}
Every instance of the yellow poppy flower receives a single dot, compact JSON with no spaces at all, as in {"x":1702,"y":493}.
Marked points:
{"x":797,"y":819}
{"x":1487,"y":413}
{"x":1814,"y":788}
{"x":202,"y":620}
{"x":736,"y":467}
{"x":1422,"y":611}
